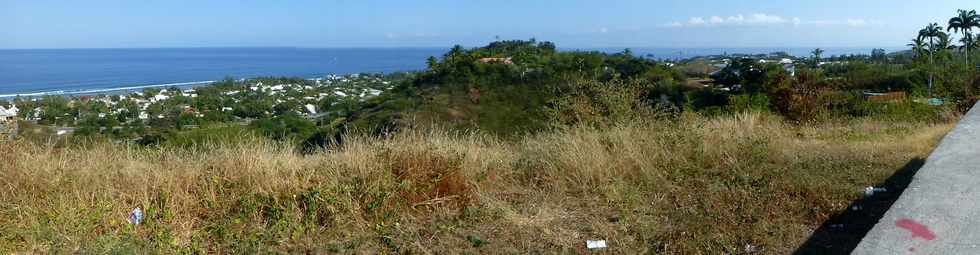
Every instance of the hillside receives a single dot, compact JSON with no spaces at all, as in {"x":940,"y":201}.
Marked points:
{"x":695,"y":185}
{"x":513,"y":147}
{"x":504,"y":88}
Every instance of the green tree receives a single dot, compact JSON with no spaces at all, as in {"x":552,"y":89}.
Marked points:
{"x":943,"y":46}
{"x":918,"y":47}
{"x":432,"y":63}
{"x":283,"y":127}
{"x":817,"y":53}
{"x":455,"y":52}
{"x":931,"y":33}
{"x":878,"y":56}
{"x":964,"y":22}
{"x":970,"y":42}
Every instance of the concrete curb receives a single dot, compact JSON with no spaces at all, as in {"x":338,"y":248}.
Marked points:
{"x":939,"y":213}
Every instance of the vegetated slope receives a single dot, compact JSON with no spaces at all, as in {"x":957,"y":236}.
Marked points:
{"x":505,"y":88}
{"x":693,"y":185}
{"x":509,"y":148}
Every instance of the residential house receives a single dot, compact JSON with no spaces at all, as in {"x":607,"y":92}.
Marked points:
{"x":506,"y":61}
{"x":8,"y":114}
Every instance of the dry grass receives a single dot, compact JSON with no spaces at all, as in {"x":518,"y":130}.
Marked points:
{"x":694,"y":186}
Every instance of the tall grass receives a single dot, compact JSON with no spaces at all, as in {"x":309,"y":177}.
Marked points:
{"x":694,"y":185}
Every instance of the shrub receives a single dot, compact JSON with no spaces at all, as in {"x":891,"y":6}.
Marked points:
{"x":285,"y":127}
{"x":427,"y":179}
{"x":593,"y":103}
{"x":748,"y":103}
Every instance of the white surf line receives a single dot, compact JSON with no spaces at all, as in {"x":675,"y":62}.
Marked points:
{"x":101,"y":90}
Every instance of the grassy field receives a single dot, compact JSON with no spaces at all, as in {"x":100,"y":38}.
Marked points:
{"x":698,"y":185}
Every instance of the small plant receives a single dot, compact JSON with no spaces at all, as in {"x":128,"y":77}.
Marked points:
{"x":475,"y":241}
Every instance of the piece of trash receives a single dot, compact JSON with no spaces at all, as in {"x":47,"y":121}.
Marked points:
{"x":836,"y":225}
{"x":136,"y":216}
{"x":595,"y":244}
{"x":856,"y":208}
{"x":62,"y":132}
{"x":871,"y":190}
{"x":750,"y":248}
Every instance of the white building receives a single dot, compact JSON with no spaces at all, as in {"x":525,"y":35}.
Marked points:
{"x":160,"y":97}
{"x":311,"y":108}
{"x":8,"y":114}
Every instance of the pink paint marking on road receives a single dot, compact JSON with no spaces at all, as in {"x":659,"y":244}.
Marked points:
{"x":917,"y":230}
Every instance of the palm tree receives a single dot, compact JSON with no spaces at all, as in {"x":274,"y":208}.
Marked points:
{"x":931,"y":32}
{"x":969,"y":41}
{"x":943,"y":45}
{"x":456,"y":51}
{"x":816,"y":56}
{"x":964,"y":22}
{"x":918,"y":46}
{"x":944,"y":42}
{"x":432,"y":63}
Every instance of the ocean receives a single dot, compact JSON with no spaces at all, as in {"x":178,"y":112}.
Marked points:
{"x":69,"y":71}
{"x":35,"y":72}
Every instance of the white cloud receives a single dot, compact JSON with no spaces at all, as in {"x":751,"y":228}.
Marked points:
{"x":846,"y":22}
{"x":604,"y":30}
{"x":856,"y":22}
{"x":695,"y":21}
{"x":717,"y":20}
{"x":754,"y":19}
{"x":762,"y":19}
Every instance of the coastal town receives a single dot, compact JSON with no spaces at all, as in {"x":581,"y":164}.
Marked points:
{"x":128,"y":114}
{"x":478,"y":127}
{"x":241,"y":101}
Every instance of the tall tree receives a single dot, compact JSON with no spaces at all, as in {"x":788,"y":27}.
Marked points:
{"x":931,"y":33}
{"x":432,"y":63}
{"x":970,"y":42}
{"x":964,"y":22}
{"x":816,"y":56}
{"x":878,"y":56}
{"x":455,"y":52}
{"x":918,"y":46}
{"x":943,"y":46}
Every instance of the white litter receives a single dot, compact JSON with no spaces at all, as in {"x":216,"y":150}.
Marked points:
{"x":595,"y":244}
{"x":871,"y":190}
{"x":62,"y":132}
{"x":136,"y":216}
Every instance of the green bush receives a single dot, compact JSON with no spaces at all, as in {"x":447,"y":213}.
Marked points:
{"x":217,"y":134}
{"x":746,"y":103}
{"x":594,"y":103}
{"x":285,"y":127}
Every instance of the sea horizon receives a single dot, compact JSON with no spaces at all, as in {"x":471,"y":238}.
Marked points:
{"x":78,"y":71}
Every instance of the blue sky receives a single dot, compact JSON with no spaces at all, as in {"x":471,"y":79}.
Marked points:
{"x":441,"y":23}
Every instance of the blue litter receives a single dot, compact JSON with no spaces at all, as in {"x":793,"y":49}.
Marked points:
{"x":136,"y":216}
